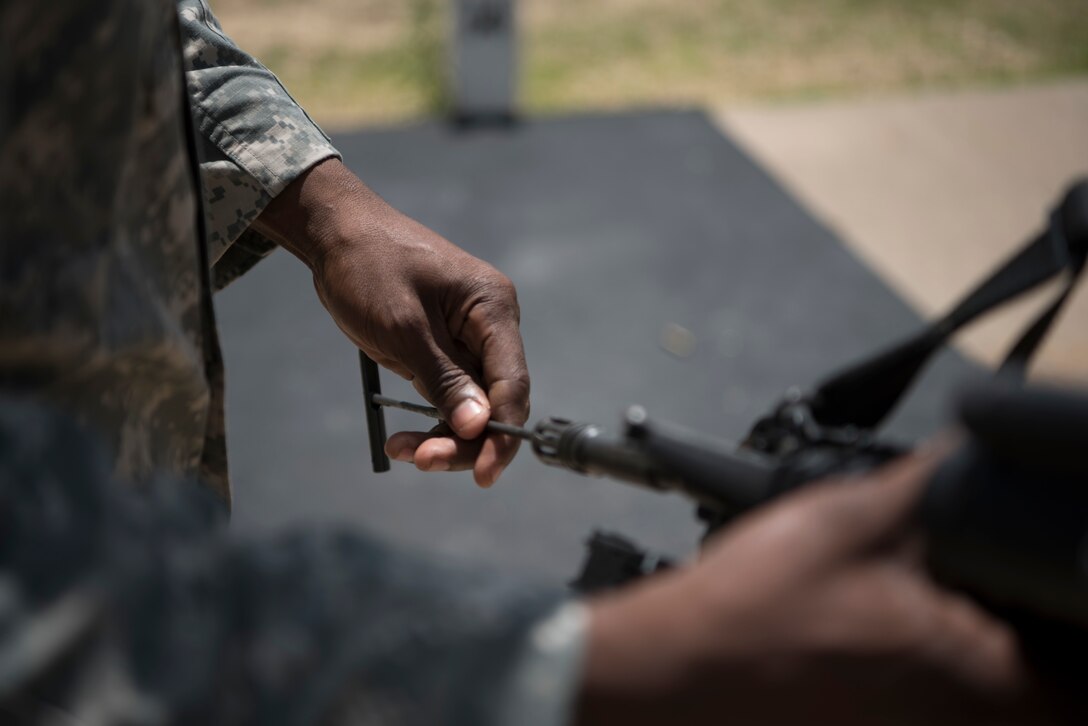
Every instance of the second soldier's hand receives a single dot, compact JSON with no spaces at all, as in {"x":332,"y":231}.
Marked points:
{"x":813,"y":609}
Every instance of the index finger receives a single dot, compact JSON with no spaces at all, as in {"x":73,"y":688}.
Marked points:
{"x":507,"y":379}
{"x":494,"y":337}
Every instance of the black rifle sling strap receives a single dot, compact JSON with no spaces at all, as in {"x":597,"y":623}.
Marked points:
{"x":1020,"y":354}
{"x":866,"y":392}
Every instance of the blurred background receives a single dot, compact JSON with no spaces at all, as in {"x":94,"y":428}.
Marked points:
{"x":702,"y":204}
{"x":352,"y":62}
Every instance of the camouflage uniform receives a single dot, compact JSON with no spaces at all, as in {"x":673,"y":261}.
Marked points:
{"x":128,"y":606}
{"x":105,"y":306}
{"x":122,"y":604}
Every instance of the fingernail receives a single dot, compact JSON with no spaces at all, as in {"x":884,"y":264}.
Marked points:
{"x":404,"y":455}
{"x":439,"y":465}
{"x":466,"y":412}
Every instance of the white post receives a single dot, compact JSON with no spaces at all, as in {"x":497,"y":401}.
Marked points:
{"x":484,"y":63}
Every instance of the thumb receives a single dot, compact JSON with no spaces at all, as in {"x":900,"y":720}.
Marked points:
{"x":444,"y":381}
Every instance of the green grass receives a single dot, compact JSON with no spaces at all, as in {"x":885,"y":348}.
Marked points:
{"x":616,"y":53}
{"x":784,"y":49}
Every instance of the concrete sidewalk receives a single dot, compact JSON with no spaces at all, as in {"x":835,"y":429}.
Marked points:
{"x":932,"y":191}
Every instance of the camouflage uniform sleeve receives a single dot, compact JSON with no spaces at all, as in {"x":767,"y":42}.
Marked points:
{"x":544,"y":682}
{"x":159,"y":615}
{"x":253,"y":138}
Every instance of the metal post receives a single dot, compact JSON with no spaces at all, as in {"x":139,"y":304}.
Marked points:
{"x":484,"y":61}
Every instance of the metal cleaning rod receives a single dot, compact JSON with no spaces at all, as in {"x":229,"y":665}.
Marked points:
{"x":495,"y":426}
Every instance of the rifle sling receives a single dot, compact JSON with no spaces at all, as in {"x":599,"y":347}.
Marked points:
{"x":866,"y":392}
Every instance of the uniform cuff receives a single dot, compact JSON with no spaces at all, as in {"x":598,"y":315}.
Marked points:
{"x":545,"y":681}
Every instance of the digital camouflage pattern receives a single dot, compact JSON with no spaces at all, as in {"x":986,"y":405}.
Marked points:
{"x":127,"y":604}
{"x":104,"y":308}
{"x":254,"y":139}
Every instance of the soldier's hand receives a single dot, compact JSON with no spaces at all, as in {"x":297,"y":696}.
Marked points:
{"x":812,"y":610}
{"x":417,"y":305}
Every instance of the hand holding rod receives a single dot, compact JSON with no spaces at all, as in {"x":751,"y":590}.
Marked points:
{"x":657,"y":456}
{"x":375,"y":419}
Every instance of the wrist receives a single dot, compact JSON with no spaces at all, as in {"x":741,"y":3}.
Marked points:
{"x":325,"y":208}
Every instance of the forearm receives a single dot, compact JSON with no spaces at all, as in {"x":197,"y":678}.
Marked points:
{"x":325,"y":206}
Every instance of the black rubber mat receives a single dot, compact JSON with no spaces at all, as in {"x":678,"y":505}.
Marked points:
{"x":618,"y":230}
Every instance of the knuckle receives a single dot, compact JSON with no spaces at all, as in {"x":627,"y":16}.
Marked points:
{"x":504,"y":287}
{"x":509,"y":399}
{"x":443,"y":381}
{"x":514,"y":392}
{"x":520,"y":385}
{"x":515,"y":307}
{"x":497,"y":292}
{"x":508,"y":296}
